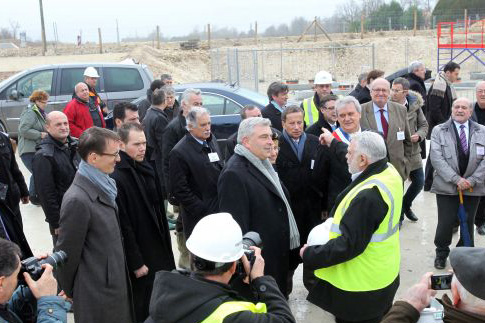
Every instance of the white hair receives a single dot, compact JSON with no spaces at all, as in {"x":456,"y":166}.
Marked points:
{"x":414,"y":66}
{"x":187,"y":94}
{"x":371,"y":86}
{"x":478,"y":85}
{"x":470,"y":104}
{"x":247,"y":126}
{"x":193,"y":115}
{"x":466,"y":297}
{"x":370,"y":144}
{"x":341,"y":103}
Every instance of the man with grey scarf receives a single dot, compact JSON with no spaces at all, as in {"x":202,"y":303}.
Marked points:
{"x":250,"y":190}
{"x":96,"y":275}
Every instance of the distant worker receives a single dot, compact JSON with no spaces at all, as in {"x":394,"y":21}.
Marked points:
{"x":204,"y":295}
{"x":91,"y":77}
{"x":327,"y":117}
{"x":362,"y":82}
{"x":278,"y":97}
{"x":322,"y":85}
{"x":358,"y":269}
{"x":364,"y":96}
{"x":80,"y":114}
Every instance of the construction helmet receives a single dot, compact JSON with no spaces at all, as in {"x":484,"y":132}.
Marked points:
{"x":91,"y":72}
{"x":323,"y":77}
{"x":217,"y":238}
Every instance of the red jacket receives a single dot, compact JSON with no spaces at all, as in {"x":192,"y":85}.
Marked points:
{"x":79,"y":117}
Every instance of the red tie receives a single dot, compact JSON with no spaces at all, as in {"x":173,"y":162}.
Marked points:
{"x":385,"y":125}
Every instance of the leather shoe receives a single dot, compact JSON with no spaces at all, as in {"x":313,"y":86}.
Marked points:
{"x":410,"y":215}
{"x":481,"y":230}
{"x":439,"y":263}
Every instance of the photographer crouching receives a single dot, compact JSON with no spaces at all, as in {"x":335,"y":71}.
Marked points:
{"x":34,"y":301}
{"x":204,"y":294}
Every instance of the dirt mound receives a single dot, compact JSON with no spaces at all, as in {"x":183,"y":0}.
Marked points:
{"x":184,"y":65}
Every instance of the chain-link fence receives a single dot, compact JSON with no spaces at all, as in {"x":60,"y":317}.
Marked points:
{"x":257,"y":68}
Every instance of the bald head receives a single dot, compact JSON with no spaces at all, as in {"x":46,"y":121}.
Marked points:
{"x":380,"y":89}
{"x":461,"y":110}
{"x":82,"y":91}
{"x":57,"y":125}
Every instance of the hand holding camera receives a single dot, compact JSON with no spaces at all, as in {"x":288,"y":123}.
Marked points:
{"x":257,"y":268}
{"x":46,"y":285}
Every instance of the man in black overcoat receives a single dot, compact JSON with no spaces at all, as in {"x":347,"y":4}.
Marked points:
{"x":194,"y":167}
{"x":278,"y":97}
{"x":144,"y":226}
{"x":249,"y":189}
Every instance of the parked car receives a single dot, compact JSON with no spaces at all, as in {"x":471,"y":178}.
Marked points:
{"x":224,"y":103}
{"x":118,"y":82}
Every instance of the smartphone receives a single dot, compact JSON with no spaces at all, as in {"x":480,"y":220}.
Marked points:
{"x":440,"y":282}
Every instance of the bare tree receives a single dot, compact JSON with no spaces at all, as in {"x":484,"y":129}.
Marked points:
{"x":14,"y":25}
{"x":5,"y":33}
{"x":350,"y":11}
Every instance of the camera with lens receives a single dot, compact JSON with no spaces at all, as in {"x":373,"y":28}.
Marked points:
{"x":250,"y":239}
{"x":33,"y":265}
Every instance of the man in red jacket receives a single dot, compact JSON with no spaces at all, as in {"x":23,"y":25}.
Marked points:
{"x":80,"y":115}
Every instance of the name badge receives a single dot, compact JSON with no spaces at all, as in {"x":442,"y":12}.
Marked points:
{"x":400,"y":135}
{"x":480,"y":150}
{"x":213,"y":157}
{"x":312,"y":164}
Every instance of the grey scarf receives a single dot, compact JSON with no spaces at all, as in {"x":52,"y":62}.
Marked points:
{"x":440,"y":84}
{"x":265,"y":167}
{"x":100,"y":179}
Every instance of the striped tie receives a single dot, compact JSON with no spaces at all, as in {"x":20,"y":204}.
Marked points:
{"x":464,"y":145}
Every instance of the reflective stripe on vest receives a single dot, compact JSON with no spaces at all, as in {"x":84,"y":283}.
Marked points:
{"x":310,"y":116}
{"x":378,"y":265}
{"x":228,"y":308}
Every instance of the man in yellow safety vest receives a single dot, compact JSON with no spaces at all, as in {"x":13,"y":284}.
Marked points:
{"x":357,"y":270}
{"x":322,"y":84}
{"x":203,"y":295}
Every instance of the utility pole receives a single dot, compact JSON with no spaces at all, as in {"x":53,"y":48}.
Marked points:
{"x":158,"y":37}
{"x":117,"y":33}
{"x":44,"y":44}
{"x":256,"y":32}
{"x":209,"y":35}
{"x":100,"y":42}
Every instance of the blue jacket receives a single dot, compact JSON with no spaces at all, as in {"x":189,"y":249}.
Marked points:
{"x":50,"y":309}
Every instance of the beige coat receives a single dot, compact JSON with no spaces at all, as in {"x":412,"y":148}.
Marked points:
{"x":399,"y":151}
{"x":417,"y":125}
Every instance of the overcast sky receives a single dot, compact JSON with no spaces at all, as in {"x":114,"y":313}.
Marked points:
{"x":175,"y":17}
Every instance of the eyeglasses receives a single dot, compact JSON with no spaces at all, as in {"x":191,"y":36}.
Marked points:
{"x":480,"y":92}
{"x":115,"y":155}
{"x":380,"y":90}
{"x":197,"y":104}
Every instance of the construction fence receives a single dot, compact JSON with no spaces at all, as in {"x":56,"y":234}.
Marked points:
{"x":256,"y":68}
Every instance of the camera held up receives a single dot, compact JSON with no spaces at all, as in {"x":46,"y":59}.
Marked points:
{"x":33,"y":265}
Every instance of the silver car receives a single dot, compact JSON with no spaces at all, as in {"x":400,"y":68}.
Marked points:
{"x":117,"y":82}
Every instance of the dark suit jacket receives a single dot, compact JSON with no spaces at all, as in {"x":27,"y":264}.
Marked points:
{"x":399,"y":151}
{"x":255,"y":204}
{"x":96,"y":275}
{"x":193,"y":179}
{"x":300,"y":179}
{"x":274,"y":115}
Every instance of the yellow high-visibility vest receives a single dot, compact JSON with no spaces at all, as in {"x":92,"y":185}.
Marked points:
{"x":378,"y":266}
{"x":228,"y":308}
{"x":311,"y":111}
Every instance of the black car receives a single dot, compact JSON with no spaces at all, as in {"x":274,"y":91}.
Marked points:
{"x":224,"y":103}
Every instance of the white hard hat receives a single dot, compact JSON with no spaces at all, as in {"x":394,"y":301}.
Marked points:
{"x":216,"y":237}
{"x":323,"y":77}
{"x":320,"y":234}
{"x":91,"y":72}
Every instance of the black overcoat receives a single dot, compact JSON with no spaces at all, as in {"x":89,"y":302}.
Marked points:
{"x":146,"y":237}
{"x":274,"y":115}
{"x":193,"y":179}
{"x":255,"y":204}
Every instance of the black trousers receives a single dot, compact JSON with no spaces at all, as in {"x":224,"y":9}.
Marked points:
{"x":480,"y":216}
{"x":447,"y":216}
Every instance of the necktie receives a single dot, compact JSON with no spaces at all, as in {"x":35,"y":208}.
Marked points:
{"x":385,"y":125}
{"x":464,"y":145}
